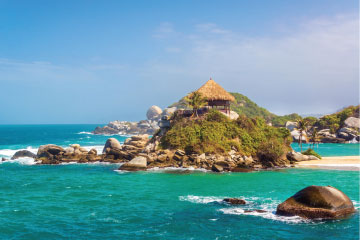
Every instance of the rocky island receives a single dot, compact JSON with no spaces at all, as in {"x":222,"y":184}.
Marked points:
{"x":209,"y":136}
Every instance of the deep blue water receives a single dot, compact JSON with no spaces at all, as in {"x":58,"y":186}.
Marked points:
{"x":93,"y":201}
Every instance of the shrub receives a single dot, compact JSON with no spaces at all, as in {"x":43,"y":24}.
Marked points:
{"x":310,"y":151}
{"x":216,"y":133}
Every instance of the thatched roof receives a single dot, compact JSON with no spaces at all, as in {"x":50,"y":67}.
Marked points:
{"x":213,"y":91}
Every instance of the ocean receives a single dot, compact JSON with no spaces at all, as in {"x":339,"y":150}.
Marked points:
{"x":93,"y":201}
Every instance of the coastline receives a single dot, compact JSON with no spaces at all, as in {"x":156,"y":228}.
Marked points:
{"x":351,"y":163}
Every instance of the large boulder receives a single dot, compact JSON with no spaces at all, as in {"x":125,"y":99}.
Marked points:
{"x":326,"y":133}
{"x":112,"y":143}
{"x":23,"y":153}
{"x":317,"y":202}
{"x":291,"y":125}
{"x":136,"y":164}
{"x":347,"y":133}
{"x":50,"y":149}
{"x":154,"y":112}
{"x":298,"y":157}
{"x":352,"y":122}
{"x":296,"y":135}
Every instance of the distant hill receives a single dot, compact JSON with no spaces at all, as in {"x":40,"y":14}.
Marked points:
{"x":244,"y":106}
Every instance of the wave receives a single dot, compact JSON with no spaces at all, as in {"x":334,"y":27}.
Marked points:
{"x":268,"y":215}
{"x":22,"y":161}
{"x":11,"y":152}
{"x":8,"y":153}
{"x":201,"y":199}
{"x":89,"y":133}
{"x":267,"y":205}
{"x":179,"y":169}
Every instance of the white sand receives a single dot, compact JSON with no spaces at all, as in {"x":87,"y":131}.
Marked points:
{"x":340,"y":163}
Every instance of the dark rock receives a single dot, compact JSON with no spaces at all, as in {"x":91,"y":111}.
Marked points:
{"x":49,"y":150}
{"x":3,"y":159}
{"x":256,"y":210}
{"x":105,"y":130}
{"x":217,"y":168}
{"x":317,"y":202}
{"x":23,"y":153}
{"x":235,"y":201}
{"x":332,"y":140}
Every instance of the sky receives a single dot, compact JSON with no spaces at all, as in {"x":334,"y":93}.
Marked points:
{"x":74,"y":61}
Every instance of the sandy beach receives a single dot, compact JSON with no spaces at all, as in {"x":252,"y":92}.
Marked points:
{"x":339,"y":163}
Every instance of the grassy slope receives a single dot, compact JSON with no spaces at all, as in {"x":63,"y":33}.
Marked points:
{"x":215,"y":133}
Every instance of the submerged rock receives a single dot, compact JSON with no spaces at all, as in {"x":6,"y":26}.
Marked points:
{"x":235,"y":201}
{"x":23,"y":153}
{"x":255,"y":210}
{"x":317,"y":202}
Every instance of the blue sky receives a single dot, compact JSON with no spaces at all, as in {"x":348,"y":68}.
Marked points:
{"x":97,"y":61}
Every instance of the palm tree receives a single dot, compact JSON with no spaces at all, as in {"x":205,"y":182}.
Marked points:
{"x":315,"y":136}
{"x":302,"y":127}
{"x":195,"y":101}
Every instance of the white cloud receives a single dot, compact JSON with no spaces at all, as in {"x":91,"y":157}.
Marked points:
{"x":313,"y":68}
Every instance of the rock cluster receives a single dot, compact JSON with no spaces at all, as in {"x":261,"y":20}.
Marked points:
{"x":148,"y":126}
{"x":317,"y":202}
{"x":348,"y":133}
{"x":231,"y":161}
{"x":52,"y":154}
{"x":115,"y":152}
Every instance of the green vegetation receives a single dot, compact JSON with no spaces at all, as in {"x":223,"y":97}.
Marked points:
{"x":280,"y":121}
{"x":244,"y":106}
{"x":216,"y":133}
{"x":195,"y":101}
{"x":311,"y":152}
{"x":336,"y":121}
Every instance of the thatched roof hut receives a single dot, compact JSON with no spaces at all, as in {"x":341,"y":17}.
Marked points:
{"x":216,"y":96}
{"x":213,"y":91}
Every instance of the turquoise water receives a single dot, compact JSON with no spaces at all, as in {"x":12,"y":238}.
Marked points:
{"x":332,"y":149}
{"x":93,"y":201}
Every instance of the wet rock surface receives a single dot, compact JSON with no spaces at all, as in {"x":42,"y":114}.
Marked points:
{"x":23,"y":153}
{"x":317,"y":202}
{"x":235,"y":201}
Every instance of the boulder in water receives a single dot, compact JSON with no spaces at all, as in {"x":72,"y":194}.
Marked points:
{"x":23,"y":153}
{"x":317,"y":202}
{"x":235,"y":201}
{"x":136,"y":164}
{"x":50,"y":149}
{"x":112,"y":143}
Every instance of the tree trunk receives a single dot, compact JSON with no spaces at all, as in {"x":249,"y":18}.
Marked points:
{"x":300,"y":140}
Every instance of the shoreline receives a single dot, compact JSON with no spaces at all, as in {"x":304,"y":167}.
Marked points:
{"x":351,"y":163}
